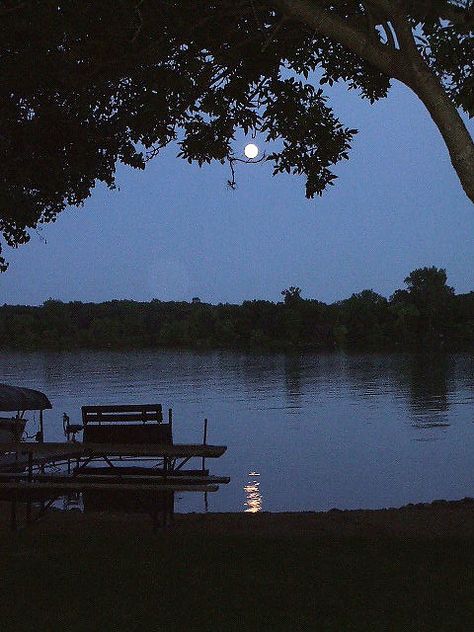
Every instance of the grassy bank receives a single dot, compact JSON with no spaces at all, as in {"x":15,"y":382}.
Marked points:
{"x":410,"y":569}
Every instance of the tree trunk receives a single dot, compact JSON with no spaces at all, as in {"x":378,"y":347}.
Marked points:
{"x":446,"y":117}
{"x":407,"y":66}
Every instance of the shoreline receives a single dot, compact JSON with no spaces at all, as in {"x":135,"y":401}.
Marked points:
{"x":438,"y":519}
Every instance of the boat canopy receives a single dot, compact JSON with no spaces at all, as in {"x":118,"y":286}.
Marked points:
{"x":16,"y":398}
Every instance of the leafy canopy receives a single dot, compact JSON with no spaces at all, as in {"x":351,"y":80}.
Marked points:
{"x":86,"y":84}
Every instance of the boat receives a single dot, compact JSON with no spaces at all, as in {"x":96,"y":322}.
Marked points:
{"x":17,"y":400}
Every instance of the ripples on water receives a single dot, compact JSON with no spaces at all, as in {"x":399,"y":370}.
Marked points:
{"x":317,"y":431}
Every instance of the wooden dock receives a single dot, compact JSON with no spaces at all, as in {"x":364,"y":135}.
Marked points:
{"x":77,"y":449}
{"x":24,"y":475}
{"x":104,"y":464}
{"x":158,"y":481}
{"x":77,"y":485}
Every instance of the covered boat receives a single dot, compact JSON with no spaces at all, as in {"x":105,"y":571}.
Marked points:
{"x":17,"y":399}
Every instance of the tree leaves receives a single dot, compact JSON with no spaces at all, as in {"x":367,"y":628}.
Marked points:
{"x":85,"y":85}
{"x":313,"y":138}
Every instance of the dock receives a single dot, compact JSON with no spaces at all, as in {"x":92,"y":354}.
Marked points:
{"x":52,"y":451}
{"x":106,"y":467}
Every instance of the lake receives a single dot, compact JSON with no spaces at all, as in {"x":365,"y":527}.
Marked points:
{"x":304,"y":432}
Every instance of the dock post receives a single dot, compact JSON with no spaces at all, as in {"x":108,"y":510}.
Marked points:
{"x":30,"y":478}
{"x":204,"y":441}
{"x":41,"y":436}
{"x":41,"y":426}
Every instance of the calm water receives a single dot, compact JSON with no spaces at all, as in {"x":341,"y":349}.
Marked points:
{"x":303,"y":432}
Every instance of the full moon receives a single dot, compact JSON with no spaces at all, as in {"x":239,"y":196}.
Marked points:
{"x":251,"y":150}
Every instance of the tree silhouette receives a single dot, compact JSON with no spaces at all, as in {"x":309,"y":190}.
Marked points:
{"x":429,"y":292}
{"x":87,"y":84}
{"x":291,"y":296}
{"x":425,"y":316}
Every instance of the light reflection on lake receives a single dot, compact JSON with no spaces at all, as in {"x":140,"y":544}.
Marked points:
{"x":329,"y":430}
{"x":254,"y":500}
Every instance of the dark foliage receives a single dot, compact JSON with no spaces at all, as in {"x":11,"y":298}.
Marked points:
{"x":426,"y":315}
{"x":85,"y":85}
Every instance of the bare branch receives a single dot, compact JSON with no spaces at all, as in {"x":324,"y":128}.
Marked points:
{"x":232,"y":184}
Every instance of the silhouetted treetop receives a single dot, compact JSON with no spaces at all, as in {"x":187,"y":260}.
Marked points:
{"x":85,"y":85}
{"x":292,"y":295}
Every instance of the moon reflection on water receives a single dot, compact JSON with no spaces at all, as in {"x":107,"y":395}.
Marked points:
{"x":254,"y":499}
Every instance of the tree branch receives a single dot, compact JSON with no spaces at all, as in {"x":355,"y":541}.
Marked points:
{"x":404,"y":33}
{"x":406,"y":65}
{"x":371,"y":22}
{"x":460,"y":145}
{"x":459,"y":16}
{"x":386,"y":59}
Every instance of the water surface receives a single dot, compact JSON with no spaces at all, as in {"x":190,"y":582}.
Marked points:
{"x":306,"y":432}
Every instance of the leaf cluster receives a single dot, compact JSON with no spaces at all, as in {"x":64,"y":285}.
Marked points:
{"x":86,"y":85}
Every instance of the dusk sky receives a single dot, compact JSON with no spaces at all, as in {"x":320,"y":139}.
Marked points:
{"x":176,"y":231}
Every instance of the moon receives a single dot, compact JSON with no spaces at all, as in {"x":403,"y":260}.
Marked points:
{"x":251,"y":150}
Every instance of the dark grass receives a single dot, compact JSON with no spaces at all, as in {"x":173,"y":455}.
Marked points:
{"x":125,"y":577}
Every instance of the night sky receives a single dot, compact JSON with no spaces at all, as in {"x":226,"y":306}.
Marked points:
{"x":176,"y":231}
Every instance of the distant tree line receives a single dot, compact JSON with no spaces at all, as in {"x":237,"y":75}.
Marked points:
{"x":426,"y":314}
